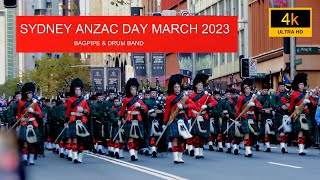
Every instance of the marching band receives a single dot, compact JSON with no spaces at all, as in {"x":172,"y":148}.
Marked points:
{"x":189,"y":118}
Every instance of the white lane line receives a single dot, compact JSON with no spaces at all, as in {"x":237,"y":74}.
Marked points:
{"x":144,"y":169}
{"x":286,"y":165}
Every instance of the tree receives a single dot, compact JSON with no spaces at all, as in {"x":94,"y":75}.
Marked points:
{"x":9,"y":87}
{"x":49,"y":76}
{"x":120,"y":2}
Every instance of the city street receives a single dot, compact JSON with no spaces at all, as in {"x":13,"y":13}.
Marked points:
{"x":216,"y":165}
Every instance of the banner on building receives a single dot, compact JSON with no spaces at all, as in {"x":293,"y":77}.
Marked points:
{"x":158,"y":61}
{"x":114,"y":78}
{"x":97,"y":79}
{"x":139,"y":64}
{"x":204,"y":63}
{"x":185,"y":63}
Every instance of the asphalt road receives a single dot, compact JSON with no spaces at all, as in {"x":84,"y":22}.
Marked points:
{"x":215,"y":165}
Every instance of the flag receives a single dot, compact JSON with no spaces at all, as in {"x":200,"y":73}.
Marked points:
{"x":283,"y":78}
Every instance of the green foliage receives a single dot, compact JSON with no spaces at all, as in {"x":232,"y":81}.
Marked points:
{"x":9,"y":87}
{"x":49,"y":75}
{"x":119,"y":2}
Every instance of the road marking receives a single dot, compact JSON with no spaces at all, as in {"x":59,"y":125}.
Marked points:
{"x":286,"y":165}
{"x":144,"y":169}
{"x":274,"y":147}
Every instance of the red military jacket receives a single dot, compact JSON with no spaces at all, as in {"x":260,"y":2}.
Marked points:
{"x":23,"y":107}
{"x":172,"y":103}
{"x":243,"y":100}
{"x":128,"y":104}
{"x":199,"y":100}
{"x":297,"y":98}
{"x":71,"y":112}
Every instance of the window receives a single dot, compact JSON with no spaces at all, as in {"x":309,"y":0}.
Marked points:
{"x":221,"y":8}
{"x":228,"y":7}
{"x":222,"y":59}
{"x":208,"y":11}
{"x":215,"y":60}
{"x":214,"y":10}
{"x":235,"y":7}
{"x":229,"y":59}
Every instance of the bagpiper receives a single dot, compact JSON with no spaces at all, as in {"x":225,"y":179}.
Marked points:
{"x":132,"y":107}
{"x":76,"y":117}
{"x":118,"y":140}
{"x":299,"y":101}
{"x":247,"y":105}
{"x":267,"y":116}
{"x":228,"y":114}
{"x":175,"y":116}
{"x":283,"y":122}
{"x":98,"y":110}
{"x":155,"y":117}
{"x":28,"y":111}
{"x":200,"y":125}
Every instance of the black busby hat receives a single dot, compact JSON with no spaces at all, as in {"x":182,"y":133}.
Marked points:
{"x":280,"y":83}
{"x":131,"y":82}
{"x":153,"y":89}
{"x":174,"y":79}
{"x":265,"y":86}
{"x":247,"y":81}
{"x":111,"y":91}
{"x":98,"y":94}
{"x":229,"y":90}
{"x":147,"y":92}
{"x":17,"y":92}
{"x":217,"y":91}
{"x":299,"y":78}
{"x":68,"y":94}
{"x":200,"y":78}
{"x":77,"y":82}
{"x":29,"y":86}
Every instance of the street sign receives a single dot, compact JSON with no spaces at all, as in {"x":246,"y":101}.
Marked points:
{"x":252,"y":67}
{"x":185,"y":13}
{"x":261,"y":75}
{"x":290,"y":22}
{"x":307,"y":50}
{"x":298,"y":61}
{"x":169,"y":13}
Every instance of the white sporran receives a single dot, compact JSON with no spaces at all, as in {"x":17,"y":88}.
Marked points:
{"x":81,"y":129}
{"x":183,"y":130}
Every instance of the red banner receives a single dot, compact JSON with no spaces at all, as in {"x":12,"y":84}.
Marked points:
{"x":127,"y":34}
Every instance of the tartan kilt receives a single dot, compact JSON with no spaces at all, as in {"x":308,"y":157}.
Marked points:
{"x":172,"y":129}
{"x":72,"y":131}
{"x":245,"y":125}
{"x":98,"y":133}
{"x":195,"y":130}
{"x":64,"y":135}
{"x":23,"y":133}
{"x":115,"y":130}
{"x":296,"y":126}
{"x":231,"y":132}
{"x":127,"y":128}
{"x":220,"y":128}
{"x":277,"y":123}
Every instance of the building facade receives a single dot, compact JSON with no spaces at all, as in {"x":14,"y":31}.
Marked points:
{"x":269,"y":50}
{"x":224,"y":64}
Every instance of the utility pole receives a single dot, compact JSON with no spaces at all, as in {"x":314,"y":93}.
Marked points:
{"x":292,"y":51}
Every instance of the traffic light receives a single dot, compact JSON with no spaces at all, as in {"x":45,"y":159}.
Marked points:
{"x":286,"y":45}
{"x":10,"y":3}
{"x":244,"y":68}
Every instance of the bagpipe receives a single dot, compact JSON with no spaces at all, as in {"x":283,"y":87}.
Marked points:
{"x":173,"y":115}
